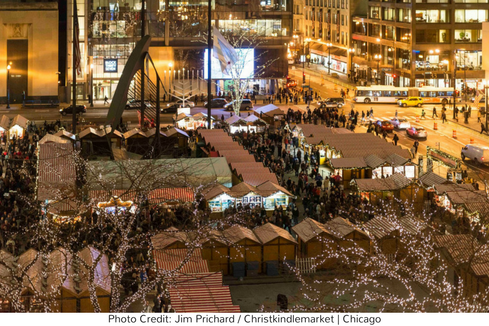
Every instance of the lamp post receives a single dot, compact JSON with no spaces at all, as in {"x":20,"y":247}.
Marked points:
{"x":329,"y":45}
{"x":91,"y":85}
{"x":170,"y":65}
{"x":352,"y":70}
{"x":303,"y":59}
{"x":8,"y":84}
{"x":486,"y":86}
{"x":378,"y":57}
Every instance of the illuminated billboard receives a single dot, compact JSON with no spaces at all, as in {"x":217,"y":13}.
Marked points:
{"x":247,"y":58}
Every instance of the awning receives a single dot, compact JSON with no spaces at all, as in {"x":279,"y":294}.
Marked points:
{"x":322,"y":49}
{"x":155,"y":196}
{"x":201,"y":293}
{"x":172,"y":259}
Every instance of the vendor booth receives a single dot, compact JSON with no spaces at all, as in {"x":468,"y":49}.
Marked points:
{"x":4,"y":125}
{"x":100,"y":140}
{"x":245,"y":253}
{"x":314,"y":239}
{"x":236,"y":124}
{"x":269,"y":113}
{"x":278,"y":247}
{"x":18,"y":127}
{"x":216,"y":251}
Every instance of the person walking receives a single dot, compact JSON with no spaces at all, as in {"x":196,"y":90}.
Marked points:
{"x":444,"y":117}
{"x":396,"y":113}
{"x":423,"y":114}
{"x":478,"y":115}
{"x":106,"y":100}
{"x":416,"y":145}
{"x":434,"y":113}
{"x":483,"y":128}
{"x":395,"y":139}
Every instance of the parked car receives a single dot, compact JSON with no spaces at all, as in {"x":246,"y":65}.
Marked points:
{"x":188,"y":104}
{"x":411,"y":101}
{"x":136,"y":104}
{"x":69,"y":109}
{"x":417,"y":133}
{"x":478,"y":154}
{"x":385,"y":125}
{"x":171,"y":108}
{"x":400,"y":123}
{"x":331,"y":102}
{"x":217,"y":103}
{"x":246,"y":104}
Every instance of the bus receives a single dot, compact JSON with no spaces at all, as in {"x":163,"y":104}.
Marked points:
{"x":380,"y":94}
{"x":391,"y":94}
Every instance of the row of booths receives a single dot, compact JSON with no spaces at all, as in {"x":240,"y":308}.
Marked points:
{"x":268,"y":247}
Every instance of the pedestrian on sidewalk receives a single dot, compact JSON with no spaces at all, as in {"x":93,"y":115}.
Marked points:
{"x":434,"y":113}
{"x":347,"y":91}
{"x":106,"y":100}
{"x":396,"y":139}
{"x":416,"y":145}
{"x":483,"y":128}
{"x":371,"y":112}
{"x":444,"y":117}
{"x":423,"y":114}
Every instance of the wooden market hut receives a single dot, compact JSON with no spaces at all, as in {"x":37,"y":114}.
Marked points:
{"x":215,"y":249}
{"x":65,"y":135}
{"x":4,"y":125}
{"x":18,"y":127}
{"x":348,"y":234}
{"x":387,"y":231}
{"x":269,"y":113}
{"x":396,"y":185}
{"x":278,"y":246}
{"x":171,"y":238}
{"x":236,"y":124}
{"x":315,"y":239}
{"x":255,"y":124}
{"x":50,"y":138}
{"x":245,"y":251}
{"x":99,"y":141}
{"x":467,"y":259}
{"x":175,"y":138}
{"x":137,"y":141}
{"x":44,"y":275}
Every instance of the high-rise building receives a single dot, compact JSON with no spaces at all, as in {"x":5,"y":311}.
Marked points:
{"x":420,"y":42}
{"x":178,"y":30}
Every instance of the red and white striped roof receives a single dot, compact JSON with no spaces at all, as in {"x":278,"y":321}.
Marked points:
{"x":181,"y":260}
{"x":202,"y":292}
{"x":155,"y":196}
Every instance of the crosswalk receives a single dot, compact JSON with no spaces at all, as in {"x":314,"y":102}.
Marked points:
{"x":409,"y":118}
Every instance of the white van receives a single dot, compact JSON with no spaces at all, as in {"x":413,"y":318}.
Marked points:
{"x":479,"y":154}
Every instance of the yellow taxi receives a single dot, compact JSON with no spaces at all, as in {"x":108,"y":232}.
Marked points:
{"x":411,"y":101}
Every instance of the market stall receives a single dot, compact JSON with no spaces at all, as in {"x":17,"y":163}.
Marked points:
{"x":137,"y":141}
{"x":236,"y":124}
{"x":278,"y":246}
{"x":4,"y":125}
{"x":100,"y":140}
{"x":215,"y":250}
{"x":18,"y":127}
{"x":255,"y":124}
{"x":314,"y":239}
{"x":244,"y":252}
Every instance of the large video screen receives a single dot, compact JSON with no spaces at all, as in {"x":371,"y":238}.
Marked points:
{"x":247,"y":57}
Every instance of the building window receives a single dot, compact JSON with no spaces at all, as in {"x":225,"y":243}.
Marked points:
{"x":432,"y":16}
{"x":403,"y":35}
{"x":468,"y":35}
{"x":404,"y":15}
{"x":389,"y":32}
{"x":433,"y":36}
{"x":342,"y":20}
{"x":375,"y":30}
{"x":342,"y":4}
{"x":470,"y":16}
{"x":389,"y":14}
{"x":374,"y":12}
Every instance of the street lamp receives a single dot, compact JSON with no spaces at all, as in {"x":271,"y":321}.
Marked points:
{"x":303,"y":59}
{"x":486,"y":86}
{"x":352,"y":71}
{"x":8,"y":84}
{"x":378,"y":57}
{"x":329,"y":45}
{"x":91,"y":85}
